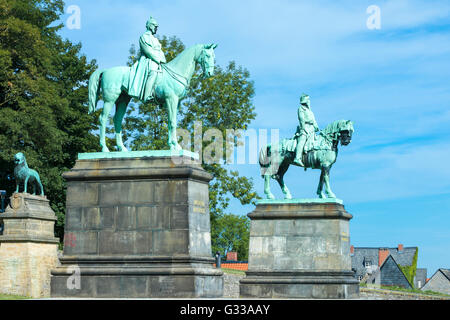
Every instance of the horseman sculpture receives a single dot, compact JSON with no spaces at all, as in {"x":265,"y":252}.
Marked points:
{"x":148,"y":79}
{"x":307,"y":150}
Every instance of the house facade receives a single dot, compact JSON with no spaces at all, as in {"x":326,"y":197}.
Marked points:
{"x":439,"y":282}
{"x":383,"y":266}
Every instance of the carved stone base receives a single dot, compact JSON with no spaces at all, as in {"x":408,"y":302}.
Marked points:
{"x":299,"y":250}
{"x":135,"y":228}
{"x":28,"y":247}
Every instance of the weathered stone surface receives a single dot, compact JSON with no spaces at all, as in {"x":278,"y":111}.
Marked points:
{"x":145,"y":232}
{"x":299,"y":250}
{"x":28,"y":247}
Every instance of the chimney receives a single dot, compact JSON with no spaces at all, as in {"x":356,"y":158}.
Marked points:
{"x":352,"y":249}
{"x":382,"y":255}
{"x":400,"y":248}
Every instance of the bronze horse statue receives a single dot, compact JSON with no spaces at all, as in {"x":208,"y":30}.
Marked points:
{"x":275,"y":159}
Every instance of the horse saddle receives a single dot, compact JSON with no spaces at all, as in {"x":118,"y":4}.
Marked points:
{"x":290,"y":145}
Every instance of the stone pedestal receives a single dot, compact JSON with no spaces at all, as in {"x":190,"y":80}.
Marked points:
{"x":28,"y":247}
{"x":137,"y":227}
{"x":299,"y":249}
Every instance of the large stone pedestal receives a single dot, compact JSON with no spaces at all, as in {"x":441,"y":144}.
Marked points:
{"x":28,"y":247}
{"x":137,"y":227}
{"x":299,"y":250}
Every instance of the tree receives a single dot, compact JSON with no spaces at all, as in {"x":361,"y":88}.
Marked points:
{"x":233,"y":235}
{"x":43,"y":97}
{"x":223,"y":102}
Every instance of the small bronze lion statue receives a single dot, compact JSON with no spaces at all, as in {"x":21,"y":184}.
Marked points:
{"x":23,"y":174}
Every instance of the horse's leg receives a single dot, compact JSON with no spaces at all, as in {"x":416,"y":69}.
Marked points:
{"x":267,"y":192}
{"x":326,"y":179}
{"x":121,"y":107}
{"x":107,"y":106}
{"x":320,"y":187}
{"x":284,"y":188}
{"x":172,"y":106}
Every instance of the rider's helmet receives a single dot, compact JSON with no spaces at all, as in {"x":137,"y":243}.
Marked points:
{"x":151,"y":22}
{"x":304,"y":98}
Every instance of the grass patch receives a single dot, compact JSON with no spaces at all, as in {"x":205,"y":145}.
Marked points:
{"x":232,"y":271}
{"x":12,"y":297}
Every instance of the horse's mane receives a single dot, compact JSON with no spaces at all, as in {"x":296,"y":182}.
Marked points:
{"x":335,"y":127}
{"x":177,"y":59}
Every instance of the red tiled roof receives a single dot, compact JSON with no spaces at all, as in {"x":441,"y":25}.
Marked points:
{"x":234,"y":266}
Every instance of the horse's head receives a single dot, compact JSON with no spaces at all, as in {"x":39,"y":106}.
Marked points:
{"x":341,"y":130}
{"x":346,"y":132}
{"x":207,"y":59}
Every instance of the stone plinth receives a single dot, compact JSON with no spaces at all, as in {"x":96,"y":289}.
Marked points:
{"x":299,"y":249}
{"x":28,"y":247}
{"x":138,"y":227}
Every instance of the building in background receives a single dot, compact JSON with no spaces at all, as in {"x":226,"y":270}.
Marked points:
{"x":439,"y":282}
{"x":388,"y":266}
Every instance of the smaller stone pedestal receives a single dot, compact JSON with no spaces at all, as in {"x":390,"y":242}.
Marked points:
{"x":299,"y":249}
{"x":28,"y":247}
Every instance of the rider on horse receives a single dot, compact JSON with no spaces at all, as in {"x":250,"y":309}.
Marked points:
{"x":144,"y":72}
{"x":306,"y":128}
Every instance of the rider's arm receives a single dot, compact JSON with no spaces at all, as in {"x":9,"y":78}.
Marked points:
{"x":150,"y":52}
{"x":316,"y":127}
{"x":301,"y":118}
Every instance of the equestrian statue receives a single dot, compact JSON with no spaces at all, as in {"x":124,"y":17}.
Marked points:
{"x":305,"y":149}
{"x":149,"y":79}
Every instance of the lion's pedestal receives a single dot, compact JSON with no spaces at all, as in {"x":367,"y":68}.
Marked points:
{"x":137,"y":226}
{"x":28,"y":247}
{"x":299,"y":249}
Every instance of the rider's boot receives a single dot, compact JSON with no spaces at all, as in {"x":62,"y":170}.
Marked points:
{"x":149,"y":94}
{"x":299,"y":151}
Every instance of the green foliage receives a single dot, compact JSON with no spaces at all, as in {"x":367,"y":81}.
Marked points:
{"x":410,"y":271}
{"x":43,"y":97}
{"x":232,"y":271}
{"x":12,"y":297}
{"x":231,"y":233}
{"x":223,"y":101}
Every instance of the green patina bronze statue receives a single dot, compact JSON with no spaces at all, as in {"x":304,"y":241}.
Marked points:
{"x":148,"y":79}
{"x":305,"y":149}
{"x":25,"y":175}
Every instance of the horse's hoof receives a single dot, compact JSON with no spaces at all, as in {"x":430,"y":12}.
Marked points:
{"x":105,"y":149}
{"x":123,"y":149}
{"x":288,"y":197}
{"x":270,"y":196}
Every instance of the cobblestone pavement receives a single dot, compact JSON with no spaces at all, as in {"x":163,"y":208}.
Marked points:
{"x":231,"y":291}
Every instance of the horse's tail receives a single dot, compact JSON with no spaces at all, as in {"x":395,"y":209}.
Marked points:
{"x":94,"y":89}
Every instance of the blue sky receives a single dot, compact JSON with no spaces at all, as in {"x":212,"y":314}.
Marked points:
{"x":393,"y":83}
